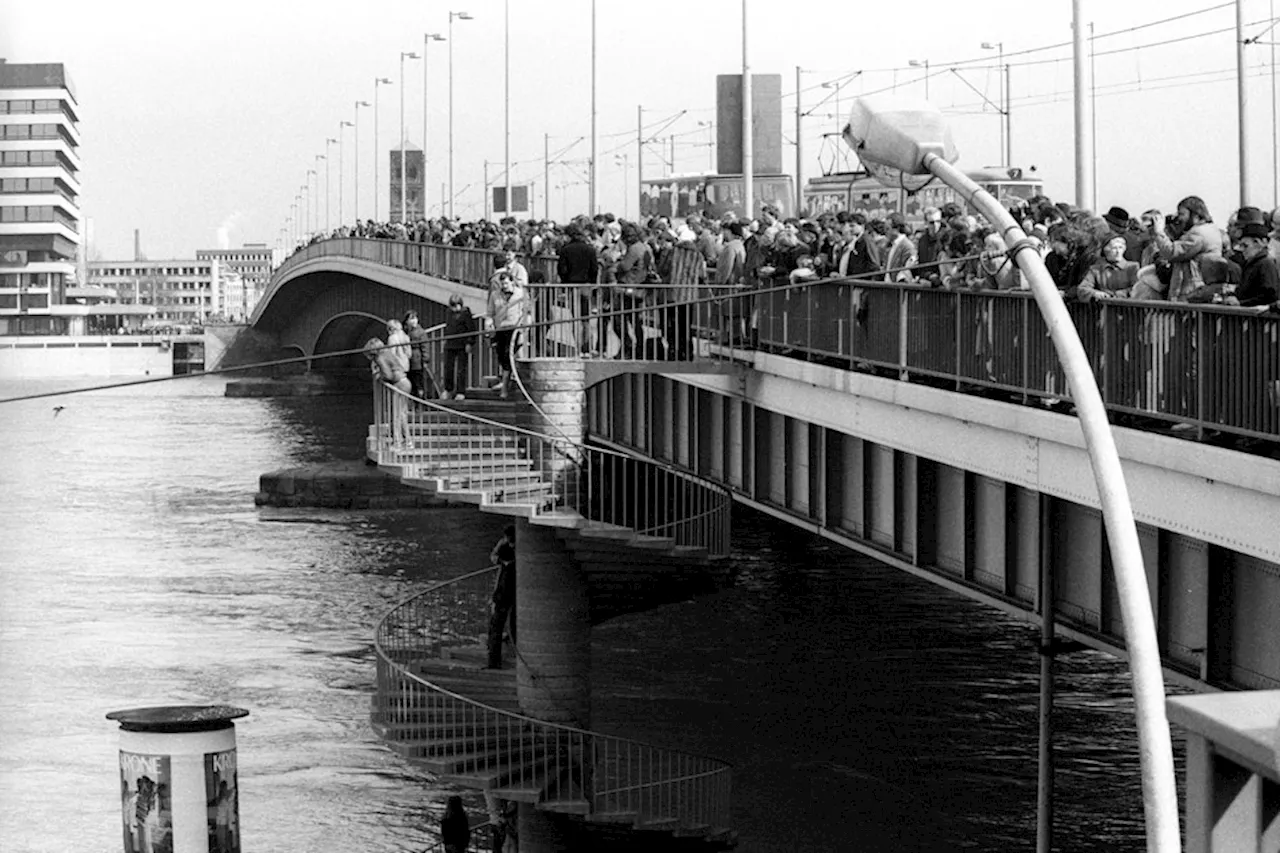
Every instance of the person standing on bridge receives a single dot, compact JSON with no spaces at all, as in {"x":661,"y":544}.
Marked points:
{"x":459,"y":329}
{"x":508,"y":304}
{"x":419,"y":356}
{"x":578,"y":265}
{"x":503,"y":600}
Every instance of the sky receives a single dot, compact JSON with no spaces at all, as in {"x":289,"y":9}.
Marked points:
{"x":200,"y":117}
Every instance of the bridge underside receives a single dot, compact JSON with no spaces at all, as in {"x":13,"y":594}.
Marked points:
{"x":974,"y":512}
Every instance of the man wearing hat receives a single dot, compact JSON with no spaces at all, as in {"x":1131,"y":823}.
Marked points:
{"x":1260,"y":279}
{"x":1118,"y":220}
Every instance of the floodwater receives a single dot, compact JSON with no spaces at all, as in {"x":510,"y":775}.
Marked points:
{"x":864,"y":710}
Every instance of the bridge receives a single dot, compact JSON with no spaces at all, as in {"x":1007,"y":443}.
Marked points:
{"x":928,"y":428}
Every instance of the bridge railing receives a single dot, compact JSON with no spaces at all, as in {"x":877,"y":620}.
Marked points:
{"x":611,"y":774}
{"x":463,"y":265}
{"x":1209,"y":367}
{"x":467,"y":453}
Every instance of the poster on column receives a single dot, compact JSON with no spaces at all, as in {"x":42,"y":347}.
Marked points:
{"x":223,"y":801}
{"x":146,"y":787}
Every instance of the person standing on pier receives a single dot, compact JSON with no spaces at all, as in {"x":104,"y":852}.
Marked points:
{"x":503,"y":556}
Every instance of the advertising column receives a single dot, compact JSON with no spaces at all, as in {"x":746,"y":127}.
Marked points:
{"x":178,"y":785}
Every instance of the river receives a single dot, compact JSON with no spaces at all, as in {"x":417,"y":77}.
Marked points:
{"x":865,"y":710}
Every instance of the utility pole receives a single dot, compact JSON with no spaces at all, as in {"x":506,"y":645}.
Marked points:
{"x":404,"y":177}
{"x":799,"y":149}
{"x":546,"y":176}
{"x":359,"y":104}
{"x":377,"y":81}
{"x":748,"y":158}
{"x":486,"y":189}
{"x":591,"y":189}
{"x":506,"y":101}
{"x":639,"y":158}
{"x":1083,"y":117}
{"x":1242,"y":134}
{"x":341,"y":125}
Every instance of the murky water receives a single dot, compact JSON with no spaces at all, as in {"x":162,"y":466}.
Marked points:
{"x":865,"y":710}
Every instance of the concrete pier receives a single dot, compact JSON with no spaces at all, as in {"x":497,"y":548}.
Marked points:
{"x":340,"y":485}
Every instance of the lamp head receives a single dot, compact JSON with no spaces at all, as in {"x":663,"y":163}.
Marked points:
{"x":986,"y":45}
{"x":408,"y":55}
{"x":346,"y":124}
{"x":386,"y":80}
{"x":362,"y":103}
{"x":891,"y":136}
{"x":331,"y":141}
{"x":433,"y":37}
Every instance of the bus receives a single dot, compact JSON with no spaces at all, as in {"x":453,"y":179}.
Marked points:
{"x":678,"y":196}
{"x":860,"y":191}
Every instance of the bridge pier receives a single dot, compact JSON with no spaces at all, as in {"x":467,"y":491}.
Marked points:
{"x":553,"y":669}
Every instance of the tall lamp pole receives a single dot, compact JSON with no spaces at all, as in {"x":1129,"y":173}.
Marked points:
{"x":316,"y":206}
{"x":1083,"y":116}
{"x":748,"y":143}
{"x":341,"y":125}
{"x":461,"y":16}
{"x":403,"y":175}
{"x":377,"y":81}
{"x":359,"y":104}
{"x":427,"y":39}
{"x":1242,"y":100}
{"x":913,"y":141}
{"x":591,"y":171}
{"x":506,"y":101}
{"x":328,"y":176}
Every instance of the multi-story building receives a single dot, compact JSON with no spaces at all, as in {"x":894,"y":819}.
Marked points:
{"x":172,"y":292}
{"x":243,"y":275}
{"x":40,"y":222}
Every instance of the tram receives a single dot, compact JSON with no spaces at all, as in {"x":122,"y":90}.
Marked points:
{"x":860,"y":191}
{"x":678,"y":196}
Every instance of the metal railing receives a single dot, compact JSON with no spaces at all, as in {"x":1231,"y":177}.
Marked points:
{"x":466,"y":266}
{"x":1210,"y":367}
{"x":569,"y":766}
{"x":509,"y":467}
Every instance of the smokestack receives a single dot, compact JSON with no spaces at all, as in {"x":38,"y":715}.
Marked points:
{"x":137,"y":245}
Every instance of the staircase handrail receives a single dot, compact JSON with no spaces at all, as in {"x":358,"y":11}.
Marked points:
{"x":709,"y":500}
{"x":612,"y":757}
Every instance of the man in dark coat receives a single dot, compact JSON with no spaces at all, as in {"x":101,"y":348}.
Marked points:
{"x":578,"y":264}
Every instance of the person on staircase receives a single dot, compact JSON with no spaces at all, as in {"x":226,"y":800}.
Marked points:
{"x":508,"y":305}
{"x":419,"y":356}
{"x":503,"y":600}
{"x":459,"y":329}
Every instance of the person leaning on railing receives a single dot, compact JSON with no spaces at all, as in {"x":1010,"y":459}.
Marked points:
{"x":459,"y":329}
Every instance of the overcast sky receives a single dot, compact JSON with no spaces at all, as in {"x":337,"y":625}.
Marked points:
{"x":196,"y":116}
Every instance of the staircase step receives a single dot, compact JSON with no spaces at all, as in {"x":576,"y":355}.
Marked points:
{"x":497,"y":776}
{"x":614,"y":818}
{"x":578,"y":807}
{"x":470,"y":762}
{"x":654,"y":543}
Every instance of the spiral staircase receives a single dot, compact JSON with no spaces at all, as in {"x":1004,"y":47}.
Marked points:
{"x":643,"y":534}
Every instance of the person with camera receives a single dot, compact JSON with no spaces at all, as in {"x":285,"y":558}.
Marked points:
{"x":1197,"y":240}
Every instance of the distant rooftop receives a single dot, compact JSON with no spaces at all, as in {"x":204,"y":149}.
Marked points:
{"x":35,"y":75}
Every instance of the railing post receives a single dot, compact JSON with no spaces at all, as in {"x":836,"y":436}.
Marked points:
{"x":1202,"y":366}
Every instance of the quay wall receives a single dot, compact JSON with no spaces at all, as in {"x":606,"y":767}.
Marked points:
{"x":67,"y":357}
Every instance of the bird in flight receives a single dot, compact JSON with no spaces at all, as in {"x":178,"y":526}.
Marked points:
{"x":57,"y":410}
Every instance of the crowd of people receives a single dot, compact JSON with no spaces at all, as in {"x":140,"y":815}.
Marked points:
{"x":1182,"y":257}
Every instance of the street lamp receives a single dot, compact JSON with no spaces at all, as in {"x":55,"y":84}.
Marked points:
{"x":916,"y":63}
{"x":461,"y":16}
{"x":306,"y":203}
{"x":403,"y":176}
{"x":896,"y":137}
{"x":356,"y":124}
{"x":316,"y":215}
{"x":836,"y":85}
{"x":328,"y":175}
{"x":377,"y":81}
{"x":427,"y":39}
{"x":1006,"y":131}
{"x":341,"y":125}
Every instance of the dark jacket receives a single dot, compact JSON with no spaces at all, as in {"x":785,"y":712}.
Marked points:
{"x":1259,"y":283}
{"x":577,"y":263}
{"x":459,"y":323}
{"x":419,"y":348}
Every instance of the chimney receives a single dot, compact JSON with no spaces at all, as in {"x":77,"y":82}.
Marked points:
{"x":137,"y":245}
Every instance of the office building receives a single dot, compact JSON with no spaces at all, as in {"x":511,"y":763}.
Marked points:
{"x":243,"y":276}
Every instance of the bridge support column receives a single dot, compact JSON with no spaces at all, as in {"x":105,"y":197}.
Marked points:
{"x":543,"y":832}
{"x":553,"y":669}
{"x":558,"y":388}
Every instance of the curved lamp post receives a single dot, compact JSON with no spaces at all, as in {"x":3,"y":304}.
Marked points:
{"x":910,"y":136}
